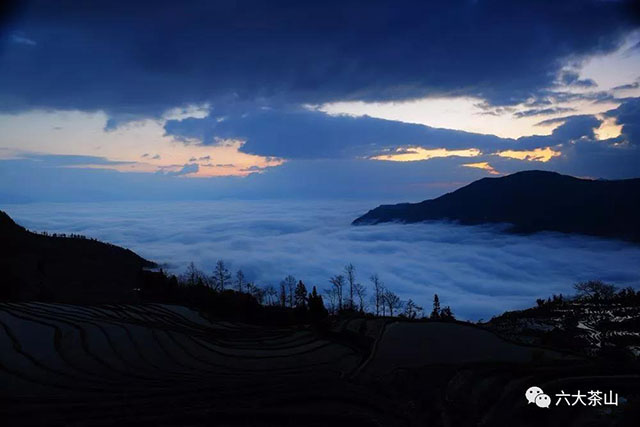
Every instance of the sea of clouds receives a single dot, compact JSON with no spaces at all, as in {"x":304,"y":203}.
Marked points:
{"x":478,"y":270}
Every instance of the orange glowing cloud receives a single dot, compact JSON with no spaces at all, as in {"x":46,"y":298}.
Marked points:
{"x":608,"y":129}
{"x":482,"y":165}
{"x":413,"y":154}
{"x":538,"y":155}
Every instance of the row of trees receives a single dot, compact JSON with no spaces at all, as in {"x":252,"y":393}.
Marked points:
{"x":592,"y":291}
{"x":345,"y":294}
{"x":68,"y":236}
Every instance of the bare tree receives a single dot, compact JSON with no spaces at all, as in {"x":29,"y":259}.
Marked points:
{"x":257,"y":292}
{"x":595,"y":289}
{"x":393,"y":301}
{"x":192,"y":276}
{"x":332,"y":299}
{"x":221,"y":276}
{"x":283,"y":294}
{"x":378,"y":293}
{"x":411,"y":310}
{"x":361,"y":292}
{"x":240,"y":281}
{"x":290,"y":285}
{"x":271,"y":294}
{"x":350,"y":272}
{"x":338,"y":285}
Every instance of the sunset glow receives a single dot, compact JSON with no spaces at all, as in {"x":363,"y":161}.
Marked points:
{"x":413,"y":154}
{"x":538,"y":155}
{"x":482,"y":165}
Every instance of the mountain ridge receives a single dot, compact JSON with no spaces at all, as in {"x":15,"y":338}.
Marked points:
{"x":531,"y":201}
{"x":65,"y":268}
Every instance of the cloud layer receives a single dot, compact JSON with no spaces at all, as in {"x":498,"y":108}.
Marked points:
{"x":477,"y":270}
{"x":140,"y":58}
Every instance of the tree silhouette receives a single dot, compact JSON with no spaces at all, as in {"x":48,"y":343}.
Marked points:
{"x":378,"y":293}
{"x":283,"y":294}
{"x":192,"y":276}
{"x":411,"y":310}
{"x":435,"y":313}
{"x":221,"y":276}
{"x":332,"y":295}
{"x":393,"y":301}
{"x":350,"y":272}
{"x":289,"y":283}
{"x":240,"y":281}
{"x":361,"y":292}
{"x":446,"y":314}
{"x":317,"y":312}
{"x":301,"y":295}
{"x":255,"y":291}
{"x":595,"y":289}
{"x":271,"y":294}
{"x":338,"y":285}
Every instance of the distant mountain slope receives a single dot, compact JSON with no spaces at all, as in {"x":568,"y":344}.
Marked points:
{"x":531,"y":201}
{"x":35,"y":266}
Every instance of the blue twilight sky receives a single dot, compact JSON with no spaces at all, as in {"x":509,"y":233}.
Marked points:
{"x":396,"y":100}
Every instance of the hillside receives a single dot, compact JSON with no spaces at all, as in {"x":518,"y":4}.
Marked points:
{"x":61,"y":268}
{"x":154,"y":364}
{"x":531,"y":201}
{"x":609,"y":328}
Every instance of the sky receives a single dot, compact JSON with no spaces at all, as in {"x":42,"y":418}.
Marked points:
{"x":476,"y":270}
{"x":389,"y":101}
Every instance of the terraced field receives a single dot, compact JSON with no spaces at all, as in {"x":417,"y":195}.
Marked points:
{"x":167,"y":365}
{"x":158,"y":363}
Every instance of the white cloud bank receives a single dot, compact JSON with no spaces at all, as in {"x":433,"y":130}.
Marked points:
{"x":477,"y":270}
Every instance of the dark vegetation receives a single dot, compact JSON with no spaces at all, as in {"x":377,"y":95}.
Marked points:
{"x":599,"y":321}
{"x":531,"y":201}
{"x":64,"y":268}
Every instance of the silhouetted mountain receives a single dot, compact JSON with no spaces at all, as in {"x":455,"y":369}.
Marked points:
{"x":64,"y":268}
{"x":531,"y":201}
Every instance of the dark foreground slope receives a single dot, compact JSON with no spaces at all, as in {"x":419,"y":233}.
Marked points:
{"x":35,"y":266}
{"x":152,"y":364}
{"x":531,"y":201}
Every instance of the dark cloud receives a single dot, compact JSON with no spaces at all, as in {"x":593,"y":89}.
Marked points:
{"x":305,"y":134}
{"x":572,"y":78}
{"x":136,"y":59}
{"x":543,"y":111}
{"x":628,"y":115}
{"x":313,"y":134}
{"x":576,"y":127}
{"x":633,"y":85}
{"x":553,"y":121}
{"x":184,"y":170}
